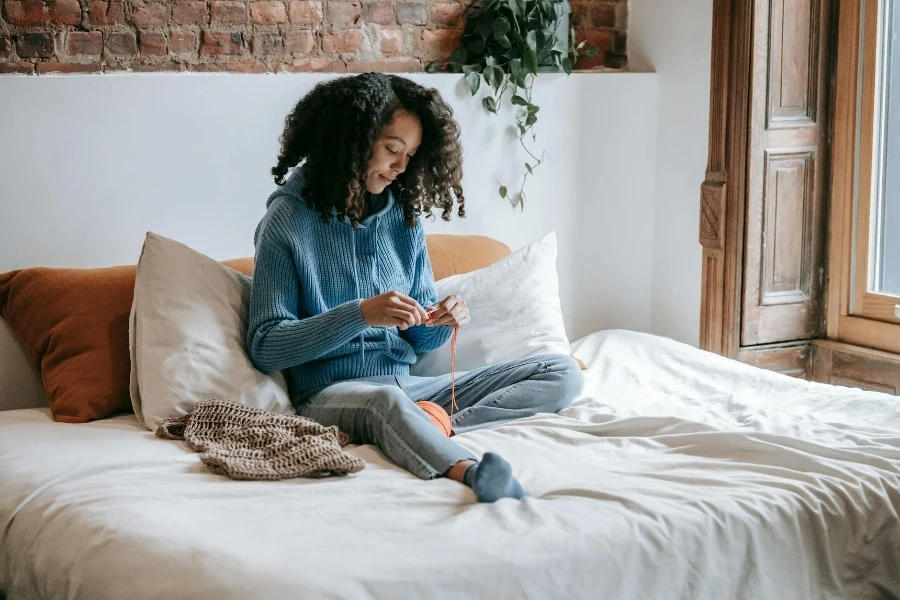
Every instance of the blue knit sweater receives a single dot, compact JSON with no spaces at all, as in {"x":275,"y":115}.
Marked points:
{"x":309,"y":279}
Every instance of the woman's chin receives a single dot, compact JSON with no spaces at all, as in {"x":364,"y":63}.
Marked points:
{"x":376,"y":188}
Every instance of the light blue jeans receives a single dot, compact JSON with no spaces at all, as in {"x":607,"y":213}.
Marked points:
{"x":382,"y":411}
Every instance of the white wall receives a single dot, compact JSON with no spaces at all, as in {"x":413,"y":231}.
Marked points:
{"x":88,"y":164}
{"x":674,"y":40}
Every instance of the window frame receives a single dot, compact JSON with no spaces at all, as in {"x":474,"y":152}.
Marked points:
{"x":855,"y":315}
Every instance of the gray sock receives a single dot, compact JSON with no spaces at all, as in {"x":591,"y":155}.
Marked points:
{"x":491,"y":479}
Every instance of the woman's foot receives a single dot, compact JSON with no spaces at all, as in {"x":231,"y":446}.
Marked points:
{"x":492,"y":479}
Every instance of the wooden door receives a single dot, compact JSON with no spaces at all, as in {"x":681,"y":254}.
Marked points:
{"x":783,"y":270}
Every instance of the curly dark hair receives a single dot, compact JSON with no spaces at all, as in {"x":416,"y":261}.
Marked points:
{"x":332,"y":131}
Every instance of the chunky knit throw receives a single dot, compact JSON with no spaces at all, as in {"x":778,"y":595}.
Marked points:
{"x":248,"y":443}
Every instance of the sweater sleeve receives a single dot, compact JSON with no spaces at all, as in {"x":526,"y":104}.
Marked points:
{"x":421,"y":337}
{"x":277,"y":338}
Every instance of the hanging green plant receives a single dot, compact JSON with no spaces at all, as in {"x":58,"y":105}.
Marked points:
{"x":507,"y":43}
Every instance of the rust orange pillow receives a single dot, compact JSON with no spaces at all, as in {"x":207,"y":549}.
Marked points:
{"x":74,"y":325}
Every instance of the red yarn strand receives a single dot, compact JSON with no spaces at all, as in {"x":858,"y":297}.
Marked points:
{"x":453,"y":407}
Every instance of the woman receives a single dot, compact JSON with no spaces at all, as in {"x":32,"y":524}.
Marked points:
{"x":342,"y":281}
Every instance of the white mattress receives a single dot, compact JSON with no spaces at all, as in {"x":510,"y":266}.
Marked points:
{"x":678,"y":474}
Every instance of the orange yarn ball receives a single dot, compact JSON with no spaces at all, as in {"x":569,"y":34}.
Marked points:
{"x":437,"y":415}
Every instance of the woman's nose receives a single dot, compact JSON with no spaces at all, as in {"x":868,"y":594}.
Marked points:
{"x":399,"y":164}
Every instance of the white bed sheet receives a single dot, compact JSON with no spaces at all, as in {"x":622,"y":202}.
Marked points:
{"x":678,"y":474}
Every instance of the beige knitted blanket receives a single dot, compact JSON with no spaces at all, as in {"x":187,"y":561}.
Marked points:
{"x":249,"y":443}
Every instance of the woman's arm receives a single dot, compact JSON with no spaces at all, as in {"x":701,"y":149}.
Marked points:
{"x":421,"y":337}
{"x":276,"y":337}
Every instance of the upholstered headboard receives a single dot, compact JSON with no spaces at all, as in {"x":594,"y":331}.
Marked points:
{"x":20,"y":383}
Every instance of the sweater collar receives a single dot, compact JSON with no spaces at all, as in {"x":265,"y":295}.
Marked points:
{"x":380,"y":204}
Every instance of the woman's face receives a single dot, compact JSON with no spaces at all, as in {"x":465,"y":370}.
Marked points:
{"x":398,"y":142}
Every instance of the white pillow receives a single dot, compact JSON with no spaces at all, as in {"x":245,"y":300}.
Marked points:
{"x":186,"y":336}
{"x":515,"y":312}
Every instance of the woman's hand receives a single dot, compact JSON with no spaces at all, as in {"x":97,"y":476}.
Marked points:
{"x":451,"y":311}
{"x":392,"y":309}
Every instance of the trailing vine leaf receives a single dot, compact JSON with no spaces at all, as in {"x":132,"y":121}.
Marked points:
{"x":501,"y":27}
{"x":504,"y":42}
{"x":474,"y":81}
{"x":458,"y":56}
{"x":484,"y":29}
{"x":531,"y":61}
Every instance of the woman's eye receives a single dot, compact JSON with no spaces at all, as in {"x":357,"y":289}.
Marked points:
{"x":392,"y":151}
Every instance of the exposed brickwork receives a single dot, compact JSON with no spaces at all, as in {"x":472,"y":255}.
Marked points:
{"x":258,"y":36}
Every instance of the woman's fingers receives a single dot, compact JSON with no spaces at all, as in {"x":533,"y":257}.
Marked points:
{"x":405,"y":302}
{"x":456,"y":313}
{"x":403,"y":318}
{"x":443,"y":308}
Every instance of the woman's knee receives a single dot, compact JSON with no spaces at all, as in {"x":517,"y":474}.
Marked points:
{"x":388,"y":402}
{"x":569,"y":380}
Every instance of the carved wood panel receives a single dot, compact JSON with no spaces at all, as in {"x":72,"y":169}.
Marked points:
{"x":787,"y":213}
{"x":783,"y":248}
{"x":793,"y":61}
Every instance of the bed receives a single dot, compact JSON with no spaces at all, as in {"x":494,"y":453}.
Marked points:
{"x":676,"y":474}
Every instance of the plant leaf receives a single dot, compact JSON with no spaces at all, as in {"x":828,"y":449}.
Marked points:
{"x":501,"y":27}
{"x":502,"y":191}
{"x":519,"y":100}
{"x":517,"y":72}
{"x":498,"y":77}
{"x":528,"y":167}
{"x":592,"y":51}
{"x":433,"y":67}
{"x":567,"y":65}
{"x":561,"y":46}
{"x":489,"y":104}
{"x":459,"y":56}
{"x":530,"y":61}
{"x":484,"y":27}
{"x":503,"y":42}
{"x":531,"y":40}
{"x":476,"y":47}
{"x":490,"y":76}
{"x":530,"y":120}
{"x":474,"y":81}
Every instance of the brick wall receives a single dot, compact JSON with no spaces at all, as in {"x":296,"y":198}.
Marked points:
{"x":90,"y":36}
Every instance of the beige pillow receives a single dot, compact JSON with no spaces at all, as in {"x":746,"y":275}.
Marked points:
{"x":186,"y":336}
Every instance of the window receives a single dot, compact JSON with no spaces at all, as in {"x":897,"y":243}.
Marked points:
{"x":864,"y":254}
